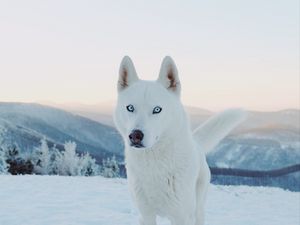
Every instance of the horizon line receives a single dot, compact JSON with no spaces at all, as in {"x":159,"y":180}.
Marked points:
{"x":66,"y":104}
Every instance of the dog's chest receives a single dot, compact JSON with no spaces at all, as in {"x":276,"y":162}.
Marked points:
{"x":156,"y":181}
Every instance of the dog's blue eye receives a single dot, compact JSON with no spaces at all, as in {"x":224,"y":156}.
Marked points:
{"x":130,"y":108}
{"x":156,"y":110}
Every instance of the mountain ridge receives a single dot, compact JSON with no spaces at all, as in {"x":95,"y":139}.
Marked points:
{"x":265,"y":141}
{"x":60,"y":126}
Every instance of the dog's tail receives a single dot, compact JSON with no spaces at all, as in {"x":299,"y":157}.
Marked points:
{"x":209,"y":134}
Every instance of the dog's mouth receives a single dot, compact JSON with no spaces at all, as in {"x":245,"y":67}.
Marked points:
{"x":137,"y":145}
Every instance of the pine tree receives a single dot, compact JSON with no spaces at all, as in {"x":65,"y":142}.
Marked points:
{"x":70,"y":159}
{"x":87,"y":165}
{"x":42,"y":159}
{"x":110,"y":168}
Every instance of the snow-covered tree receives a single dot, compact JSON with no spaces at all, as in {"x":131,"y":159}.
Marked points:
{"x":70,"y":159}
{"x":49,"y":161}
{"x":56,"y":161}
{"x":42,"y":159}
{"x":87,"y":165}
{"x":17,"y":163}
{"x":110,"y":167}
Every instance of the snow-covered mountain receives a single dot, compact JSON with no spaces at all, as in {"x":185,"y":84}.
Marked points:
{"x":102,"y":112}
{"x":25,"y":124}
{"x":267,"y":140}
{"x":254,"y":154}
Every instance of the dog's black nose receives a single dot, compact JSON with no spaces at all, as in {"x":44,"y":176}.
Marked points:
{"x":136,"y":138}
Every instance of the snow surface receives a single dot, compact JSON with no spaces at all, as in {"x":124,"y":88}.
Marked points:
{"x":49,"y":200}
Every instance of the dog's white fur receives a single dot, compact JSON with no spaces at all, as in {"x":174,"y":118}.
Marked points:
{"x":169,"y":177}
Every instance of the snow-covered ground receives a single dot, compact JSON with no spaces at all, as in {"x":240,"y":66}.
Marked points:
{"x":49,"y":200}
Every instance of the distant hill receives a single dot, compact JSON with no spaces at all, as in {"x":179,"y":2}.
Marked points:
{"x":102,"y":112}
{"x":25,"y":124}
{"x":266,"y":140}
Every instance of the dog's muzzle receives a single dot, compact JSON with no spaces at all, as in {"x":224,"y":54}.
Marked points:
{"x":136,"y":137}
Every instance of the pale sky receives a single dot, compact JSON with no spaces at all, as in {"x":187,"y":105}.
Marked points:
{"x":228,"y":53}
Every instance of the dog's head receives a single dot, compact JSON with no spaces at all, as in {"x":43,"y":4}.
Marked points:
{"x":146,"y":110}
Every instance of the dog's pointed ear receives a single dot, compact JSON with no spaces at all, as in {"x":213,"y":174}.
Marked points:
{"x":127,"y":74}
{"x":168,"y":75}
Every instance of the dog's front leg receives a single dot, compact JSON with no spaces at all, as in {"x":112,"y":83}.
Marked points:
{"x":186,"y":213}
{"x":147,"y":215}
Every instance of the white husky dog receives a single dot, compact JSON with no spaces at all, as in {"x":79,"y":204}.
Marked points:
{"x":165,"y":160}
